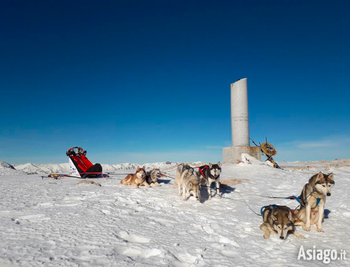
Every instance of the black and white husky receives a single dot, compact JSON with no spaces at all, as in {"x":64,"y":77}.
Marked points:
{"x":209,"y":174}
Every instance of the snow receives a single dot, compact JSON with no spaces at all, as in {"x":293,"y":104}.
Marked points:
{"x":8,"y":169}
{"x":48,"y":222}
{"x":30,"y":168}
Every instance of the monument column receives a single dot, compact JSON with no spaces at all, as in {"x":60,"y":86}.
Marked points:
{"x":239,"y":113}
{"x":239,"y":125}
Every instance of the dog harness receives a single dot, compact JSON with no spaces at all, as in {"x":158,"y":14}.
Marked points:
{"x":187,"y":167}
{"x":201,"y":171}
{"x":318,"y":200}
{"x":264,"y":208}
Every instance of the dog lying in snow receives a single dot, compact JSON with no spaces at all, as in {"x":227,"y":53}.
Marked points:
{"x":279,"y":220}
{"x":152,"y":177}
{"x":136,"y":179}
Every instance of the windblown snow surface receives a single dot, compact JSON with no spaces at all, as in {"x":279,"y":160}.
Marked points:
{"x":48,"y":222}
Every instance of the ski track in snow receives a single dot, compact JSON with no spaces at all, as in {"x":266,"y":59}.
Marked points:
{"x":59,"y":223}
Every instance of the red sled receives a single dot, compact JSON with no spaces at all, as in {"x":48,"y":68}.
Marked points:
{"x":81,"y":166}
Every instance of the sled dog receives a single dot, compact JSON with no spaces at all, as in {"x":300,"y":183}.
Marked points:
{"x":209,"y":174}
{"x":313,"y":199}
{"x":152,"y":177}
{"x":136,"y":179}
{"x":280,"y":220}
{"x":187,"y":179}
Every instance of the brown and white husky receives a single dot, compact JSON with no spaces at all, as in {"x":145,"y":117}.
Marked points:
{"x":136,"y":179}
{"x":279,"y":220}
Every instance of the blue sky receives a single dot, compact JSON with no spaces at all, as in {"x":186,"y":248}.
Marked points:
{"x":146,"y":81}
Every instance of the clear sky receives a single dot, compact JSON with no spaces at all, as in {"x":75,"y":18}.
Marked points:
{"x":146,"y":81}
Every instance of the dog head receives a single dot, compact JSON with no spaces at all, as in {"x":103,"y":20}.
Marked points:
{"x":194,"y":185}
{"x":155,"y":174}
{"x":140,"y":173}
{"x":215,"y":169}
{"x":282,"y":222}
{"x":324,"y":183}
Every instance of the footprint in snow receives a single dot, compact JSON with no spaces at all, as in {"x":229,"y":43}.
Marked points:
{"x":138,"y":252}
{"x":346,"y":214}
{"x":225,"y":240}
{"x":133,"y":238}
{"x":33,"y":218}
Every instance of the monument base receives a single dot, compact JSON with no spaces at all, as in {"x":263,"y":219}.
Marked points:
{"x":233,"y":154}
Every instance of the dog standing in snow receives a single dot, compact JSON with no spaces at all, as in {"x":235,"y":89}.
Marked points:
{"x":209,"y":174}
{"x":187,"y":179}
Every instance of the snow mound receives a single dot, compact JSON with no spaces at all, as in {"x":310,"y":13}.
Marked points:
{"x":4,"y":164}
{"x":31,"y":168}
{"x":8,"y":169}
{"x":248,"y":159}
{"x":133,"y":166}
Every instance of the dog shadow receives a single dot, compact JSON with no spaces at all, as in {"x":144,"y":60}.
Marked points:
{"x":326,"y":213}
{"x":224,"y":189}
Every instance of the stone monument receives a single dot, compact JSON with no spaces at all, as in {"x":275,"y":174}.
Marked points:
{"x":239,"y":125}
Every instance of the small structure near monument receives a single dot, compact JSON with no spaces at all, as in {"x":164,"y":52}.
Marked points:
{"x":268,"y":150}
{"x":239,"y":125}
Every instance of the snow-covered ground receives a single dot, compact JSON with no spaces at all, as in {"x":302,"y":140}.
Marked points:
{"x":30,"y":168}
{"x":48,"y":222}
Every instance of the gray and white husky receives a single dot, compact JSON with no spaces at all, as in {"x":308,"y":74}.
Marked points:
{"x":152,"y":177}
{"x":187,"y":179}
{"x":313,"y":199}
{"x":209,"y":174}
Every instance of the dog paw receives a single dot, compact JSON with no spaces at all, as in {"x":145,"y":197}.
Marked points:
{"x":306,"y":228}
{"x":301,"y":237}
{"x":266,"y":236}
{"x":219,"y":196}
{"x":319,"y":230}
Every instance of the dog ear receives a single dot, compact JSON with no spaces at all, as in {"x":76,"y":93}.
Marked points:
{"x":190,"y":185}
{"x":273,"y":217}
{"x":210,"y":165}
{"x":319,"y":176}
{"x":290,"y":216}
{"x":331,"y":176}
{"x":219,"y":164}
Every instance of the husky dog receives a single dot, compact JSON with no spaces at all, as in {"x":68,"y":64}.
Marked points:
{"x":188,"y":179}
{"x":313,"y":199}
{"x":152,"y":177}
{"x":210,"y":174}
{"x":137,"y":179}
{"x":280,"y":220}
